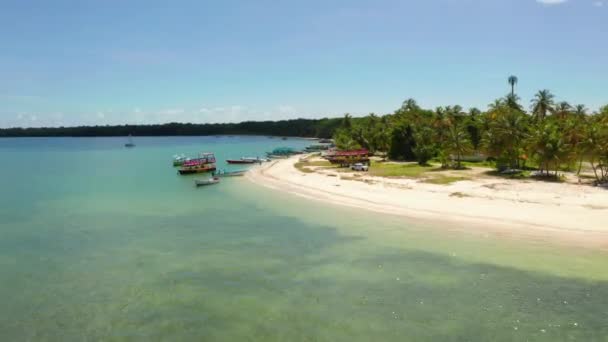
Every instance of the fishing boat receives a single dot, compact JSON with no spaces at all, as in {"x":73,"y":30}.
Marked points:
{"x":247,"y":160}
{"x":241,"y":161}
{"x":179,"y":159}
{"x":224,"y":173}
{"x":281,"y":152}
{"x":204,"y":163}
{"x":130,"y":142}
{"x":203,"y":182}
{"x":317,"y":148}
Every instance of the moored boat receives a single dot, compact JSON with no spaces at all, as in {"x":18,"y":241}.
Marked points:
{"x":282,"y":152}
{"x":203,"y":182}
{"x":224,"y":173}
{"x":247,"y":160}
{"x":205,"y":163}
{"x":130,"y":142}
{"x":241,"y":161}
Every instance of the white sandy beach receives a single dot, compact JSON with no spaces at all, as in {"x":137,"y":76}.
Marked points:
{"x":572,"y":214}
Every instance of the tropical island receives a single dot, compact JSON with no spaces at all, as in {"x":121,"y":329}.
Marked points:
{"x":534,"y":172}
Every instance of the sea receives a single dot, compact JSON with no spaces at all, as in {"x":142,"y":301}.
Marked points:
{"x":99,"y":242}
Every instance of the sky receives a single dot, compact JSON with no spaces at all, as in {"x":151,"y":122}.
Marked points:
{"x":84,"y":62}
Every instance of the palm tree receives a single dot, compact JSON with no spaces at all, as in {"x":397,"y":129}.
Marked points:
{"x":580,"y":110}
{"x":513,"y":81}
{"x":457,"y":142}
{"x":410,"y":105}
{"x":547,"y":144}
{"x":512,"y":101}
{"x":498,"y":103}
{"x":562,"y":109}
{"x":542,"y":103}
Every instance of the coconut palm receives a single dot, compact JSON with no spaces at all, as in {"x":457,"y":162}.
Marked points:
{"x":498,"y":103}
{"x":512,"y":101}
{"x":457,"y":143}
{"x":562,"y":109}
{"x":542,"y":104}
{"x":548,"y":146}
{"x":513,"y":81}
{"x":410,"y":105}
{"x":580,"y":110}
{"x":504,"y":136}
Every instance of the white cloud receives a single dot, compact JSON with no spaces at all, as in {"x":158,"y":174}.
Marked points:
{"x":551,"y":2}
{"x":598,"y":3}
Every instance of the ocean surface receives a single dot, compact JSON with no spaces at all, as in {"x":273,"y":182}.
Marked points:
{"x":100,"y":242}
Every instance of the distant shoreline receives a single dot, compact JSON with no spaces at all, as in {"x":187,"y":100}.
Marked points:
{"x":565,"y":213}
{"x":305,"y":128}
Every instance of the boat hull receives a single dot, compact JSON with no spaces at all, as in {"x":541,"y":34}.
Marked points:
{"x":205,"y":182}
{"x":241,"y":161}
{"x":197,"y":170}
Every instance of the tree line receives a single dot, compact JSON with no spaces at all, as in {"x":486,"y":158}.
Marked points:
{"x":320,"y":128}
{"x":550,"y":136}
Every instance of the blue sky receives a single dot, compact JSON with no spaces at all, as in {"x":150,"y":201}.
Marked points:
{"x":113,"y":61}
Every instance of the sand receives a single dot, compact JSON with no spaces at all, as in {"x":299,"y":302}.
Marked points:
{"x":569,"y":213}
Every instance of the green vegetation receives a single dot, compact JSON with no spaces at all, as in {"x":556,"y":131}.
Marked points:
{"x":549,"y":138}
{"x":445,"y":180}
{"x":306,"y":166}
{"x":398,"y":170}
{"x":320,"y":128}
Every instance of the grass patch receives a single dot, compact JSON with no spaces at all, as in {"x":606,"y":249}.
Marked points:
{"x":398,"y":170}
{"x":444,"y":180}
{"x":305,"y":166}
{"x":520,"y":175}
{"x":490,"y":164}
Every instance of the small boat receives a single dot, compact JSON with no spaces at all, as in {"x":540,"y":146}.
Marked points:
{"x":281,"y":152}
{"x":241,"y":161}
{"x":247,"y":160}
{"x":203,"y":182}
{"x":204,"y":163}
{"x":224,"y":173}
{"x":130,"y":142}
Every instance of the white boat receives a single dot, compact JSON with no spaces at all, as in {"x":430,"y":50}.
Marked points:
{"x":210,"y":181}
{"x":255,"y":159}
{"x":130,"y":142}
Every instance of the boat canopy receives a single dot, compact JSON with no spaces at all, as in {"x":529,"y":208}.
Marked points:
{"x":283,"y":151}
{"x":351,"y":153}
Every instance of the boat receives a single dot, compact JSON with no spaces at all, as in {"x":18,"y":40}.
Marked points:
{"x":204,"y":163}
{"x":203,"y":182}
{"x":247,"y":160}
{"x":224,"y":173}
{"x":130,"y":142}
{"x":179,"y":159}
{"x":317,"y":148}
{"x":282,"y":152}
{"x":241,"y":161}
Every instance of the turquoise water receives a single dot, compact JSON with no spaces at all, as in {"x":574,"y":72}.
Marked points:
{"x":99,"y":242}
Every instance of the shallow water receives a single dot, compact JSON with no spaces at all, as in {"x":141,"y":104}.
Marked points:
{"x":102,"y":242}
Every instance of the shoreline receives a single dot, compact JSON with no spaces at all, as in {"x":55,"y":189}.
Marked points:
{"x":564,"y":213}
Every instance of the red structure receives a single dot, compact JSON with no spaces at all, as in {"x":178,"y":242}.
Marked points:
{"x":348,"y":157}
